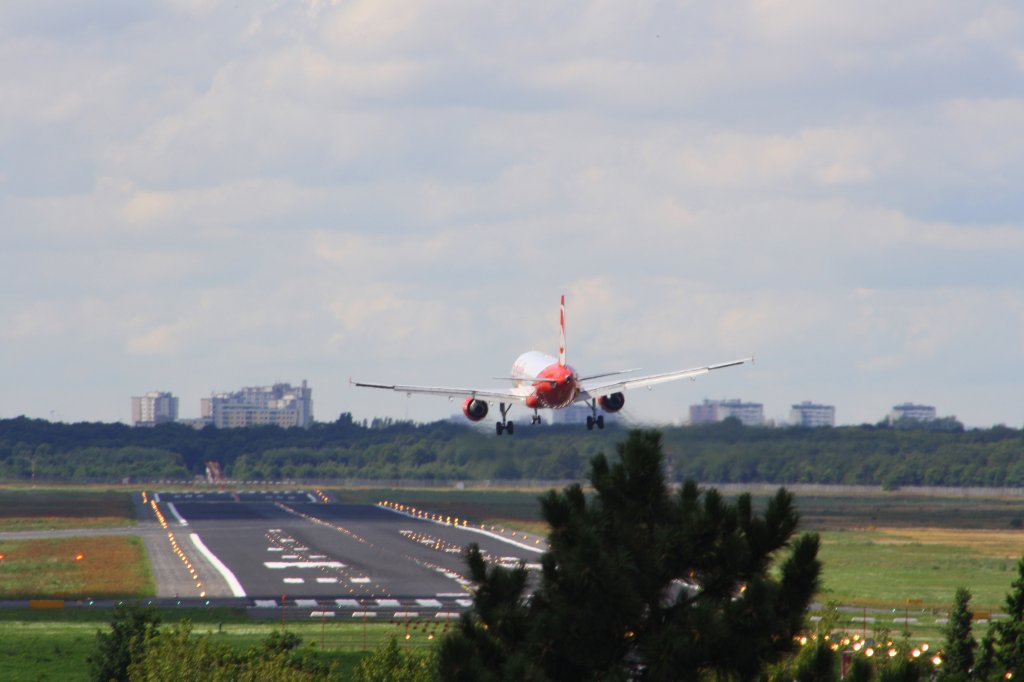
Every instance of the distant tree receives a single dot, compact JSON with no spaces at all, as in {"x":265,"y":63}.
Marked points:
{"x":641,"y":582}
{"x":130,"y":628}
{"x":960,"y":645}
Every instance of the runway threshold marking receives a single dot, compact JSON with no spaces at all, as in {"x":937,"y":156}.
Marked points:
{"x":225,"y":572}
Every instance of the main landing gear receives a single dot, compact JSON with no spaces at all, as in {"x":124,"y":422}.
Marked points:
{"x":594,"y":419}
{"x":535,"y":419}
{"x":505,"y":425}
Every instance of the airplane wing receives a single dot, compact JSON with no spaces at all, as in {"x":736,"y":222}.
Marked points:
{"x":596,"y":390}
{"x":452,"y":392}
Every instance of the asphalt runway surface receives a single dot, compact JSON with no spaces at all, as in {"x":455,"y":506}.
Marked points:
{"x":293,"y":548}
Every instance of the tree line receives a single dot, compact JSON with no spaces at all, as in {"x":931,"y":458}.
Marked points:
{"x":728,"y":452}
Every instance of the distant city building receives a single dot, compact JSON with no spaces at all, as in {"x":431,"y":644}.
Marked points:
{"x":711,"y":411}
{"x":156,"y":407}
{"x":280,"y":404}
{"x":909,"y":411}
{"x":811,"y":415}
{"x":577,"y":414}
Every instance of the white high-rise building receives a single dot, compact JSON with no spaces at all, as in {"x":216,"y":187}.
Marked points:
{"x":280,"y":404}
{"x":920,"y":413}
{"x":156,"y":407}
{"x":710,"y":411}
{"x":811,"y":415}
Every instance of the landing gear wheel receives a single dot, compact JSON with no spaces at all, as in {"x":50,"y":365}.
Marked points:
{"x":590,"y":423}
{"x":535,"y":419}
{"x":599,"y":421}
{"x":504,"y":425}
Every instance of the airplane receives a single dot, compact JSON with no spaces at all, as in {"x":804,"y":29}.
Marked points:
{"x":540,"y":380}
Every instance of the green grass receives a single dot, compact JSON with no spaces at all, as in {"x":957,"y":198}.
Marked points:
{"x":55,"y":644}
{"x":888,"y":568}
{"x":46,"y":650}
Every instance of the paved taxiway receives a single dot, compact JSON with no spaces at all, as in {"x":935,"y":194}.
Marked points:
{"x":265,"y":546}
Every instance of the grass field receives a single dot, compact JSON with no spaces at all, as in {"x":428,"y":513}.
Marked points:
{"x":59,"y":508}
{"x":888,"y":567}
{"x":55,"y":645}
{"x":97,"y":567}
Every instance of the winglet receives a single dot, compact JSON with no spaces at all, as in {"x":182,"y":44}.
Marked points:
{"x":561,"y":325}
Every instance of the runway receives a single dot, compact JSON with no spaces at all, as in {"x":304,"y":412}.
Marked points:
{"x":299,"y":549}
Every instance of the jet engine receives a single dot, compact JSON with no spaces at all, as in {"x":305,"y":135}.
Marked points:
{"x":612,"y":402}
{"x":474,"y":409}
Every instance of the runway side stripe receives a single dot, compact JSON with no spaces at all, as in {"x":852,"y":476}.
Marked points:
{"x":471,"y":529}
{"x":229,"y":577}
{"x":174,"y":510}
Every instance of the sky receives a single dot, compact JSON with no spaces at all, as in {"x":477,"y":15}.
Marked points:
{"x":198,"y":195}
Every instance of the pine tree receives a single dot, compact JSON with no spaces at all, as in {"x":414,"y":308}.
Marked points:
{"x":1009,"y":633}
{"x":641,"y":582}
{"x":960,"y":645}
{"x":986,"y":661}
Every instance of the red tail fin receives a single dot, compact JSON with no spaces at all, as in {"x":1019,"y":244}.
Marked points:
{"x":561,"y":324}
